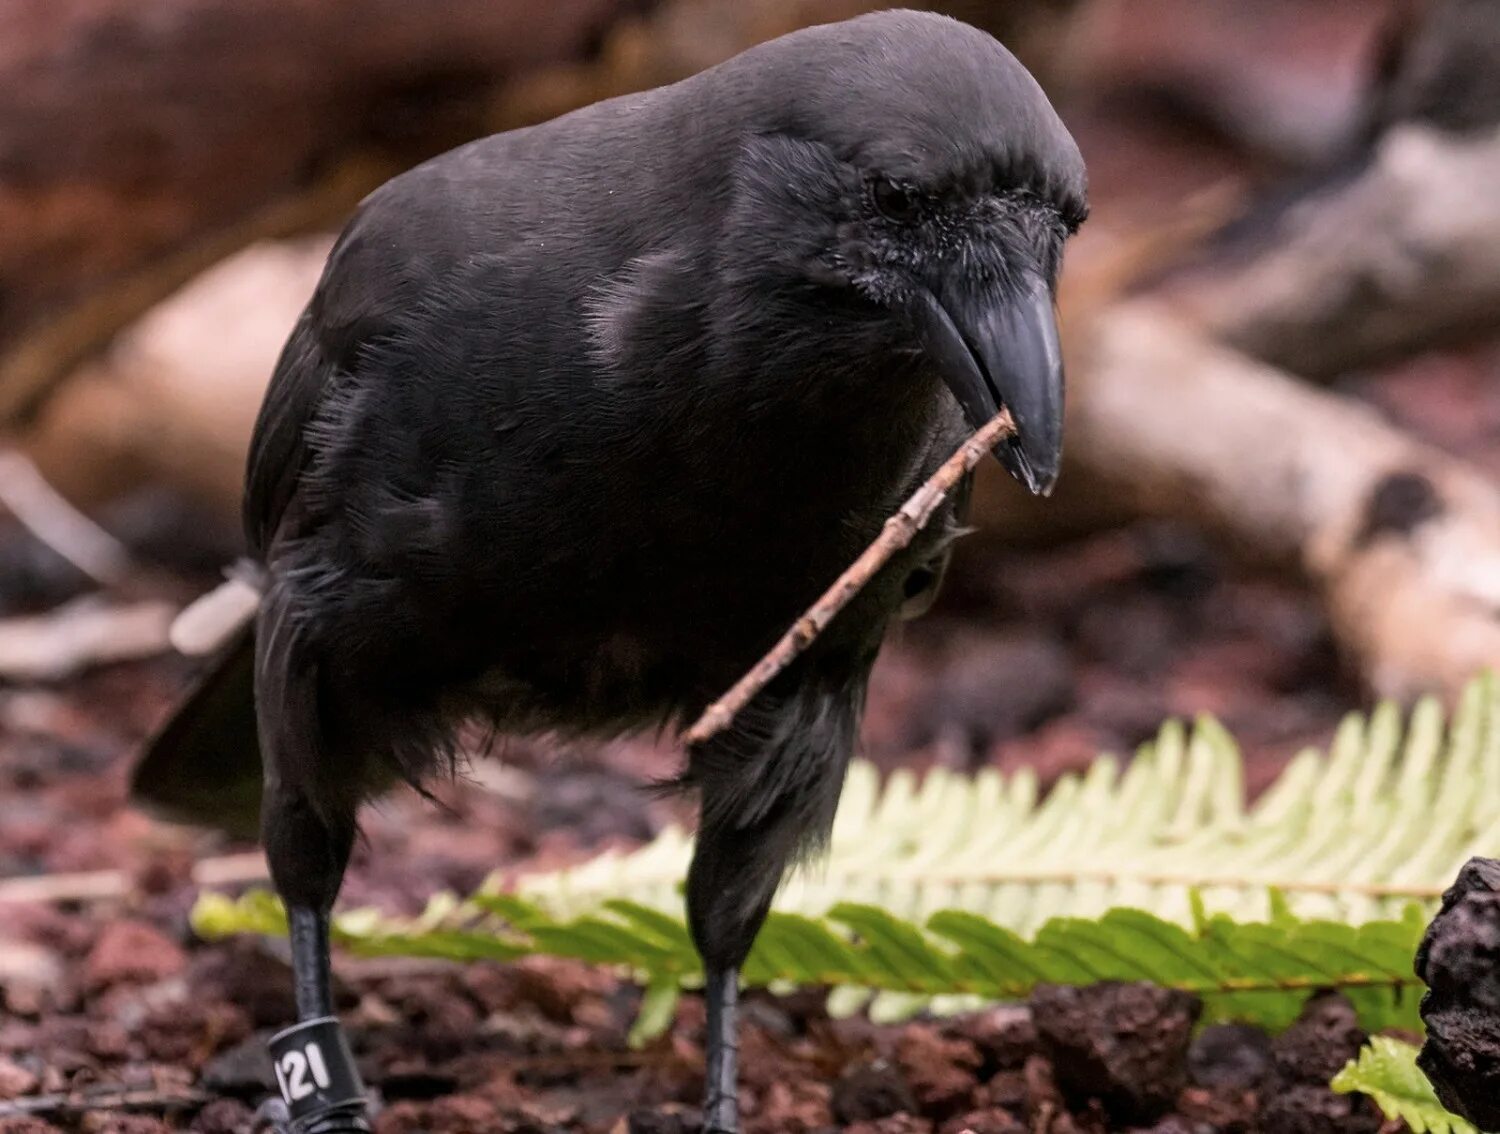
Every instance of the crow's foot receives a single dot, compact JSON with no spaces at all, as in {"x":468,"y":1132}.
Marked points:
{"x":272,"y":1117}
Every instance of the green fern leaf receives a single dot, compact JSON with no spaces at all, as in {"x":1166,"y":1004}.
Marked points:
{"x":658,"y":1007}
{"x":949,"y":889}
{"x":1387,"y":1071}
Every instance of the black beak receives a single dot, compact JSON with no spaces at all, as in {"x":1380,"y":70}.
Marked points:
{"x":994,"y":350}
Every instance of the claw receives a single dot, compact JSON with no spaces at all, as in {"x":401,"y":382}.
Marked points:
{"x":272,"y":1117}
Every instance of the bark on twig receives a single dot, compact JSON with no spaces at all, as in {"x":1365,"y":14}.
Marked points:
{"x":899,"y":531}
{"x":1397,"y":259}
{"x":1403,"y":540}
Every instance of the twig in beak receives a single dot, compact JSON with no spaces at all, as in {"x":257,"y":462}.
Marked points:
{"x":898,"y":531}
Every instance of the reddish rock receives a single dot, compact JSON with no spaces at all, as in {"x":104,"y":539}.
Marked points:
{"x":15,"y":1080}
{"x":132,"y":952}
{"x":941,"y":1070}
{"x":871,"y":1090}
{"x":1123,"y":1046}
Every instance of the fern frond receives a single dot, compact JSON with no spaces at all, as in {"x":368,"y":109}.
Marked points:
{"x":1387,"y":1071}
{"x":1258,"y":972}
{"x":979,"y":888}
{"x":1347,"y":836}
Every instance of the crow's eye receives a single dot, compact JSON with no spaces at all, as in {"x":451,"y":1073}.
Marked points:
{"x":895,"y":202}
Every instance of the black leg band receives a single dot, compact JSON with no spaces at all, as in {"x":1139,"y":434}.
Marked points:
{"x":317,"y":1078}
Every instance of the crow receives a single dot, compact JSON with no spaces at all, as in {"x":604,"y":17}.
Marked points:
{"x":581,"y":416}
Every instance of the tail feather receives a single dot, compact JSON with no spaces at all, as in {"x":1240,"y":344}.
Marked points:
{"x":203,"y":766}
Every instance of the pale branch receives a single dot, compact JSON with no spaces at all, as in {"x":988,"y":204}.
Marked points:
{"x":1402,"y":539}
{"x":898,"y":531}
{"x":1392,"y":261}
{"x":81,"y":634}
{"x":109,"y":885}
{"x":42,"y":511}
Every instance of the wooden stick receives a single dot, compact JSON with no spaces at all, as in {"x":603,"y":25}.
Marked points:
{"x":899,"y":531}
{"x":43,"y":511}
{"x":105,"y":885}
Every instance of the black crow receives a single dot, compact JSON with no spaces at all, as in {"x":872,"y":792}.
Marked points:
{"x":583,"y":415}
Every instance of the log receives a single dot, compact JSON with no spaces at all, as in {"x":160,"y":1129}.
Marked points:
{"x":146,"y":139}
{"x":1402,"y":540}
{"x":1370,"y":268}
{"x":174,"y":398}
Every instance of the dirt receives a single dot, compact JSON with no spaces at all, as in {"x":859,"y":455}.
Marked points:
{"x":116,"y":1018}
{"x":539,"y":1047}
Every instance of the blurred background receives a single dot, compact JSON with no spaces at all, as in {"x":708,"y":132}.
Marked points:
{"x":1283,"y":327}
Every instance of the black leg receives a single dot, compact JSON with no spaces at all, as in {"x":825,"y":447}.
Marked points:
{"x":312,"y":791}
{"x":311,"y":967}
{"x":768,"y":788}
{"x":721,"y":1106}
{"x":320,"y":1089}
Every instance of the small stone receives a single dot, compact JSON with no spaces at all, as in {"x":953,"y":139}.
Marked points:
{"x":1306,"y":1109}
{"x":871,"y":1090}
{"x":1230,"y":1057}
{"x":132,"y":952}
{"x":940,"y":1070}
{"x":1124,"y":1045}
{"x":243,"y":1070}
{"x":224,"y":1116}
{"x":1325,"y":1037}
{"x":15,"y":1080}
{"x":1004,"y":1035}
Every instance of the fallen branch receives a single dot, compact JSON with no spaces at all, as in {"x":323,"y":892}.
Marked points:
{"x":81,"y":634}
{"x":42,"y":511}
{"x":105,"y":1097}
{"x":899,"y":531}
{"x":108,"y":885}
{"x":1403,"y":540}
{"x":1398,"y":259}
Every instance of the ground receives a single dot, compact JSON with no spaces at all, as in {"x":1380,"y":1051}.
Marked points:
{"x":1036,"y":658}
{"x":116,"y":1019}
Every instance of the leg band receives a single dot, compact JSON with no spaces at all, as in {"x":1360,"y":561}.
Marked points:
{"x":316,"y":1074}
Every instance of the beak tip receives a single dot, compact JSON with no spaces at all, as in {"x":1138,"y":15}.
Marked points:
{"x":1037,"y":479}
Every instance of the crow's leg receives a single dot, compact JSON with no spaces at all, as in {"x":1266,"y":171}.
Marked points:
{"x":769,"y":788}
{"x":730,"y":884}
{"x":308,"y":828}
{"x":320,"y":1088}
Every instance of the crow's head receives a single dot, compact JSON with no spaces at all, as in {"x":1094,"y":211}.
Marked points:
{"x":907,"y":177}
